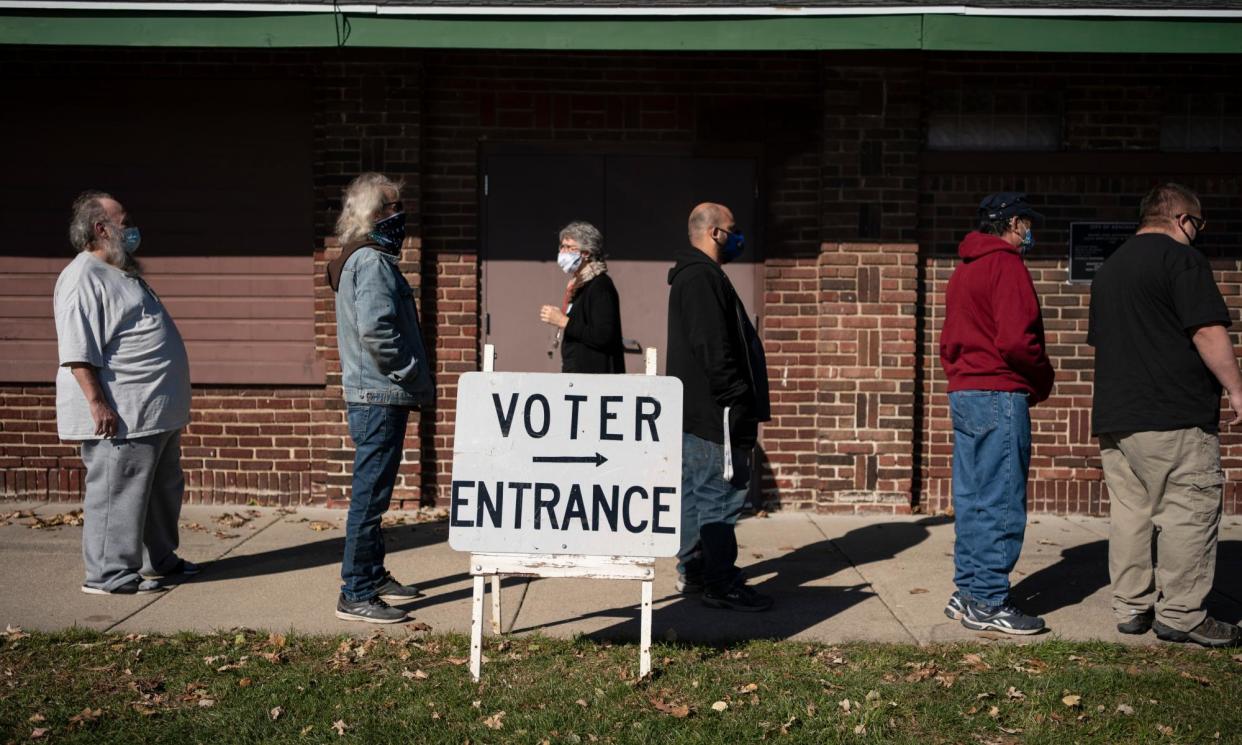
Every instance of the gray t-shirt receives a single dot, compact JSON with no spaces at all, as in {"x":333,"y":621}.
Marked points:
{"x":114,"y":322}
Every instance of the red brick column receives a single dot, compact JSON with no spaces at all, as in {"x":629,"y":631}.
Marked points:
{"x":868,"y":296}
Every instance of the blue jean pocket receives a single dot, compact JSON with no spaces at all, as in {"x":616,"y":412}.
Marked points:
{"x":974,"y":412}
{"x":359,"y":421}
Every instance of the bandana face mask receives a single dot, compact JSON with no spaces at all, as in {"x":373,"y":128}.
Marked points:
{"x":389,"y":233}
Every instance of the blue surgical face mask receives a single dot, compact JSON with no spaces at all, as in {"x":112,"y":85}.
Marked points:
{"x":733,"y":246}
{"x":1028,"y":242}
{"x":130,"y":239}
{"x":389,"y":233}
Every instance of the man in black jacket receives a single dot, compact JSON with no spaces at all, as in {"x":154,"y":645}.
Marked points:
{"x":716,"y":353}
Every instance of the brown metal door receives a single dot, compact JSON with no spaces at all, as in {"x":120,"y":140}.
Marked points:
{"x":639,"y":202}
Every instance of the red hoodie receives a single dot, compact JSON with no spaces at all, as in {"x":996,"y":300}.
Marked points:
{"x":993,"y":335}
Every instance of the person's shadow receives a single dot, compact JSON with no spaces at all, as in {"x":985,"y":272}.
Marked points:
{"x":328,"y":551}
{"x":1083,"y":570}
{"x":792,"y":578}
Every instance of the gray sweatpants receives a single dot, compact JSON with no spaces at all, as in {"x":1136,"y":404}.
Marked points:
{"x":133,"y":500}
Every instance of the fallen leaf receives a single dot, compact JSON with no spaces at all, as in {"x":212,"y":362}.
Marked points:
{"x":720,"y":706}
{"x":1124,"y":709}
{"x":678,"y":711}
{"x":340,"y":727}
{"x":206,"y":703}
{"x":416,"y":675}
{"x":36,"y":718}
{"x":1014,"y":693}
{"x":1006,"y":730}
{"x":319,"y":526}
{"x":84,"y":717}
{"x":872,"y":696}
{"x":994,"y":712}
{"x":275,"y":713}
{"x":1046,"y":542}
{"x":845,"y":705}
{"x":581,"y":702}
{"x":788,"y":725}
{"x":1073,"y":701}
{"x":918,"y":591}
{"x":38,"y":732}
{"x":1166,"y":731}
{"x":860,"y":729}
{"x":1198,"y":679}
{"x":748,"y":688}
{"x":495,"y":721}
{"x":15,"y":632}
{"x":975,"y":662}
{"x":276,"y":640}
{"x":244,"y":683}
{"x":457,"y":660}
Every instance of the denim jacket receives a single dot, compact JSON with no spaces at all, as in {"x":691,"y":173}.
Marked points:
{"x":383,"y":359}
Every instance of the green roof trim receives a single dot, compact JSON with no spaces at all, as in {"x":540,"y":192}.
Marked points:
{"x":1016,"y":34}
{"x":887,"y":32}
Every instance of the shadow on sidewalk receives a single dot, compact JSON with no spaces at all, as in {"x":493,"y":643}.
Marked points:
{"x":787,"y":577}
{"x":1083,"y":571}
{"x":323,"y":552}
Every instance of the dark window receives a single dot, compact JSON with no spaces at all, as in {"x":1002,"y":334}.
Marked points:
{"x":982,"y":119}
{"x":1205,"y":121}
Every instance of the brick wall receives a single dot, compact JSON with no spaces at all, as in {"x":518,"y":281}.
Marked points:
{"x":852,"y":307}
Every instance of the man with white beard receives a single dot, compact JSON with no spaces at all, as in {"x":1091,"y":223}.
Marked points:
{"x":123,"y":391}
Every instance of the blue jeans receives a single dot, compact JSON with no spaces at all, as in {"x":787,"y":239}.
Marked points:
{"x":378,"y":433}
{"x":991,"y":459}
{"x":710,"y":507}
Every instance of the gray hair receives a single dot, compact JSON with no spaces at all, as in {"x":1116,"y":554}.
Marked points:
{"x":88,"y":209}
{"x":588,"y":236}
{"x":362,"y":199}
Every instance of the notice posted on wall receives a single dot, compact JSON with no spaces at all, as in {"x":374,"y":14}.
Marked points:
{"x":567,"y":464}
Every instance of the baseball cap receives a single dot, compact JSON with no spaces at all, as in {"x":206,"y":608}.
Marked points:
{"x":1007,"y":204}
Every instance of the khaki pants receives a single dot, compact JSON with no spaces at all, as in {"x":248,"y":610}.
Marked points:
{"x":1165,"y":493}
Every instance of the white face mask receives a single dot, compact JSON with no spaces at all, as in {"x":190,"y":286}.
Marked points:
{"x":569,"y":262}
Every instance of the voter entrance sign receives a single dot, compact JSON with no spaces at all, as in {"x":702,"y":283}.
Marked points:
{"x":567,"y":464}
{"x":565,"y":476}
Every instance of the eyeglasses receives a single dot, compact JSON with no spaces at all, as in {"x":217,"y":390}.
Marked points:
{"x":1198,"y":222}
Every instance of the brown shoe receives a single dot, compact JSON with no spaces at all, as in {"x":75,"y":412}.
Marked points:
{"x":1210,"y":633}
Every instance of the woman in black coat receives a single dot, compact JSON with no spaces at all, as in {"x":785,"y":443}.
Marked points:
{"x":589,"y":318}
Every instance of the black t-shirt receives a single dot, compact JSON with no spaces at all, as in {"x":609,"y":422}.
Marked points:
{"x":1146,"y":301}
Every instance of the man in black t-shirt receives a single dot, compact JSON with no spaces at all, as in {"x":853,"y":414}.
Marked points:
{"x":1162,"y":353}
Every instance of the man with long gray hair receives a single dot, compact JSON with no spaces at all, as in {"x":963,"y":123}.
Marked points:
{"x":123,"y":391}
{"x":384,"y":374}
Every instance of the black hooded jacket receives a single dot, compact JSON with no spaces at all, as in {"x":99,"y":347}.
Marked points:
{"x":715,"y":352}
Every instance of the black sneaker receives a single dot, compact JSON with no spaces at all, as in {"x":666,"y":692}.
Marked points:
{"x":1210,"y":633}
{"x":955,"y":608}
{"x":1004,"y":618}
{"x":394,"y":592}
{"x":370,"y":611}
{"x":739,"y":597}
{"x":132,"y":587}
{"x":1138,"y":623}
{"x":182,"y":567}
{"x":688,"y":584}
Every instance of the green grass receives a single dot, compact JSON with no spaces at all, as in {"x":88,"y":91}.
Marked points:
{"x":415,"y":688}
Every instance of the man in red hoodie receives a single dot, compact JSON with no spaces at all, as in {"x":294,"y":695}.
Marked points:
{"x":992,"y":350}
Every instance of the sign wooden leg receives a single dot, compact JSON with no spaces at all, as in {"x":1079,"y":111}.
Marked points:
{"x":476,"y":630}
{"x":644,"y":654}
{"x":496,"y":622}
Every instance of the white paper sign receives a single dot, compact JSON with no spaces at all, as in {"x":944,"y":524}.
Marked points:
{"x":567,"y":464}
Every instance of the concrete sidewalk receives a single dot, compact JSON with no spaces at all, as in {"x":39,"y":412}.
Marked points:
{"x":834,"y":579}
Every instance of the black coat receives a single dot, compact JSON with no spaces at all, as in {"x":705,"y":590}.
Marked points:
{"x":591,"y":342}
{"x":715,"y":352}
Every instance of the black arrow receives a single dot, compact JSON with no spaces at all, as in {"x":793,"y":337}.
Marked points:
{"x":597,"y":459}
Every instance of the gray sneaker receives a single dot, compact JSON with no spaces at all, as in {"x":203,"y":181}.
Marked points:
{"x":132,"y":587}
{"x":182,"y":567}
{"x":1138,"y":623}
{"x":688,"y":584}
{"x":1003,"y":618}
{"x":954,"y":608}
{"x":1210,"y":633}
{"x":392,"y":591}
{"x":368,"y":611}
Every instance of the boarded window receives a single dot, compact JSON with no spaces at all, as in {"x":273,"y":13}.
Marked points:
{"x":1208,"y":121}
{"x":217,"y":175}
{"x":981,"y":119}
